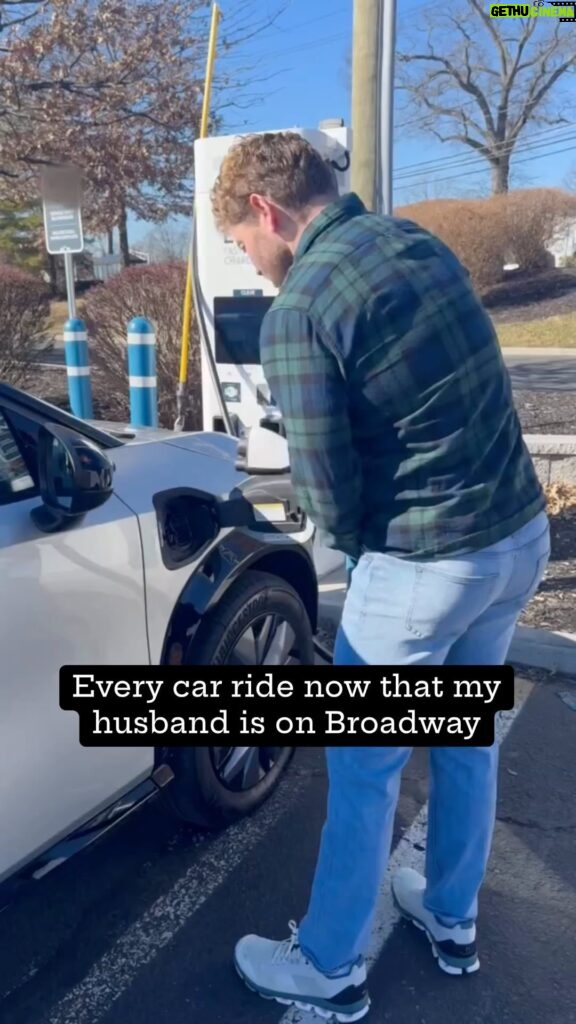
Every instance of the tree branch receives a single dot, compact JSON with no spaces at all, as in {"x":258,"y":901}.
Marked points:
{"x":21,"y":19}
{"x":456,"y":113}
{"x":536,"y":95}
{"x":466,"y":84}
{"x":464,"y":139}
{"x":490,"y":25}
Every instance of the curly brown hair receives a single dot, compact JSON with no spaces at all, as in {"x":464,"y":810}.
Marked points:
{"x":282,"y":166}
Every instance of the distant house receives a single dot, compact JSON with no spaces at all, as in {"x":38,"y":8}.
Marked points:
{"x":106,"y":267}
{"x":562,"y":246}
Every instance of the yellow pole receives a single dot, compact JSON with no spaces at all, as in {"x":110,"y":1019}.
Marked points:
{"x":203,"y":132}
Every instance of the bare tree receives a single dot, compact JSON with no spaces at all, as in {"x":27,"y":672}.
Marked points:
{"x":482,"y":82}
{"x":167,"y":243}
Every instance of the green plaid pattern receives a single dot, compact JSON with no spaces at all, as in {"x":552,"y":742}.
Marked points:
{"x":397,"y":404}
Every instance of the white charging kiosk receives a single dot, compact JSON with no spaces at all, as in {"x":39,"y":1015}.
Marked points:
{"x":235,"y":298}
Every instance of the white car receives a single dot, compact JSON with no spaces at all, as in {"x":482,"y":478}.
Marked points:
{"x":137,"y":548}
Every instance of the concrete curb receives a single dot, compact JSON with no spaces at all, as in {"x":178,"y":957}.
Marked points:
{"x":554,"y":457}
{"x":533,"y":648}
{"x":551,"y":444}
{"x":544,"y":648}
{"x":541,"y":352}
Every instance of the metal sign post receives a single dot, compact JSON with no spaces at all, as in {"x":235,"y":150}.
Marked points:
{"x":70,"y":285}
{"x":62,"y":206}
{"x":388,"y":48}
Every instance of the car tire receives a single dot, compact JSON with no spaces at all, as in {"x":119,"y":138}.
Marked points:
{"x":200,"y":793}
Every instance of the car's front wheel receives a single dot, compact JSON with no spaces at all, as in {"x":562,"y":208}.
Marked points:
{"x":260,"y":621}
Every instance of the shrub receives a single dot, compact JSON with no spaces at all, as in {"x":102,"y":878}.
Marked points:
{"x":473,"y":231}
{"x":486,"y":234}
{"x":531,"y":218}
{"x":24,"y":324}
{"x":157,"y":293}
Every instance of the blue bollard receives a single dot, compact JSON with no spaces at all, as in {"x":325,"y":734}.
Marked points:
{"x":351,"y":564}
{"x":78,"y":368}
{"x":142,"y":373}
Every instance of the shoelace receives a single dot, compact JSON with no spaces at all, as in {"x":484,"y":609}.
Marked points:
{"x":289,"y":951}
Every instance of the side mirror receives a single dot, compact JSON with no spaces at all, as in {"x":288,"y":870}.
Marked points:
{"x":75,"y":477}
{"x":263,"y":451}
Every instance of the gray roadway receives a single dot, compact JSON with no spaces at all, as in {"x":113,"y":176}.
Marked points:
{"x":139,"y":929}
{"x":542,"y":371}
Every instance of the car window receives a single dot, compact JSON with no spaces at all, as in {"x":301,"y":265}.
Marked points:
{"x":16,"y":481}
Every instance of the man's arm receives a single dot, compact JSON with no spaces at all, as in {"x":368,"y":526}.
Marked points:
{"x":307,"y":383}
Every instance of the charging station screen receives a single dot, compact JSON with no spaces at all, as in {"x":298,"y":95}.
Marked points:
{"x":237,"y":322}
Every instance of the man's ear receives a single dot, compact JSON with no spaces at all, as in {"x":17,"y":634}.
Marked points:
{"x":257,"y":203}
{"x":264,"y":208}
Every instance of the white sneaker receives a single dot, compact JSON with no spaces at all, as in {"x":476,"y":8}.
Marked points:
{"x":454,"y":947}
{"x":280,"y":971}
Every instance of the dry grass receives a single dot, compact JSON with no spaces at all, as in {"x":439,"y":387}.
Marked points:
{"x":561,"y":498}
{"x":59,"y":315}
{"x":548,"y":332}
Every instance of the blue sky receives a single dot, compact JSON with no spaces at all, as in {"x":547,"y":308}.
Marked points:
{"x":303,"y":57}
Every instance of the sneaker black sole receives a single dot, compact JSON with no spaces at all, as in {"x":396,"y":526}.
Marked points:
{"x":328,"y":1014}
{"x":451,"y":966}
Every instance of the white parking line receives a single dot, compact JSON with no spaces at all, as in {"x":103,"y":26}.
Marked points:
{"x":407,"y":854}
{"x":112,"y":975}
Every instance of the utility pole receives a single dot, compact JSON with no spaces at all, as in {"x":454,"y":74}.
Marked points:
{"x":366,"y":48}
{"x":374,"y":44}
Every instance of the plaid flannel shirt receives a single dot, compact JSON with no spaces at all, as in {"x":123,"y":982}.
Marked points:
{"x":397,"y":404}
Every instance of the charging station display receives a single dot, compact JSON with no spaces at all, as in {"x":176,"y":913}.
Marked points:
{"x":237,"y":323}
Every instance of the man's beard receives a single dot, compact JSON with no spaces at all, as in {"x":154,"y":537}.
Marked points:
{"x":282,"y":266}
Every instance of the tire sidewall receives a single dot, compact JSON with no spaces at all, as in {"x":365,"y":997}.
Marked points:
{"x":252,"y":596}
{"x":275,"y":598}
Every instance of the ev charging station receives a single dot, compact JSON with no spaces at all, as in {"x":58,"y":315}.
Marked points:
{"x":234,"y":298}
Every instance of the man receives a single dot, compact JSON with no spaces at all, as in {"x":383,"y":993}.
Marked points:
{"x":406,"y":451}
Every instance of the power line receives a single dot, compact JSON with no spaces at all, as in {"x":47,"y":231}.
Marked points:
{"x":322,"y":40}
{"x":476,"y":165}
{"x":409,"y":170}
{"x":312,"y":21}
{"x":312,"y":44}
{"x":467,"y":174}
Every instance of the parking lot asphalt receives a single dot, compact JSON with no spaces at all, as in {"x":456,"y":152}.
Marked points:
{"x":139,"y":929}
{"x":538,"y":371}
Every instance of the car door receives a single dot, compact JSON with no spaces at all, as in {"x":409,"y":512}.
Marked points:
{"x":72,"y":597}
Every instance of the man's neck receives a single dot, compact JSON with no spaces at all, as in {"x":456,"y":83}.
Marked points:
{"x":305,"y":220}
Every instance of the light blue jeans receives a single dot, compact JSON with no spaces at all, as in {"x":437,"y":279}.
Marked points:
{"x":460,"y":611}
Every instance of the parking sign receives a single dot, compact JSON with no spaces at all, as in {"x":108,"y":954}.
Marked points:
{"x":62,"y":206}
